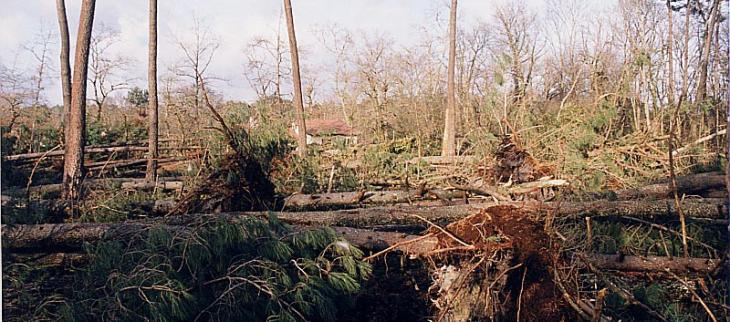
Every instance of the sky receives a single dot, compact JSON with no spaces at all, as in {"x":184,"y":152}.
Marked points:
{"x":233,"y":22}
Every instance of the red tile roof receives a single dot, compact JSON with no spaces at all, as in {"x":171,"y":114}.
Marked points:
{"x":322,"y":127}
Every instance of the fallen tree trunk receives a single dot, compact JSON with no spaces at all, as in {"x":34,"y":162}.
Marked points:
{"x":355,"y":198}
{"x":51,"y":238}
{"x":128,"y":163}
{"x":444,"y":160}
{"x":688,"y":185}
{"x":654,"y":263}
{"x":28,"y":157}
{"x":405,"y":215}
{"x":166,"y":183}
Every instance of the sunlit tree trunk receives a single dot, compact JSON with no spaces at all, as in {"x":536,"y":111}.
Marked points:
{"x":151,"y":174}
{"x":448,"y":146}
{"x":73,"y":166}
{"x":65,"y":62}
{"x":296,"y":79}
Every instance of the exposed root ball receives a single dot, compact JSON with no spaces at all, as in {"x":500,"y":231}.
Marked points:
{"x":238,"y":185}
{"x":505,"y":270}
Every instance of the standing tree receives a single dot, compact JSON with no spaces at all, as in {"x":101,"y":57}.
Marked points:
{"x":448,"y":146}
{"x":65,"y":63}
{"x":104,"y":68}
{"x":705,"y":50}
{"x":73,"y":166}
{"x":152,"y":155}
{"x":199,"y":54}
{"x":39,"y":50}
{"x":298,"y":104}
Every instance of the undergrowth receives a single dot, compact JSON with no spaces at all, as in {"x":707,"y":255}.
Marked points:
{"x":251,"y":270}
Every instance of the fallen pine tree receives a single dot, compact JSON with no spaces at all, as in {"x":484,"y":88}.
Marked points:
{"x":687,"y":185}
{"x":61,"y":238}
{"x":710,"y":209}
{"x":466,"y":285}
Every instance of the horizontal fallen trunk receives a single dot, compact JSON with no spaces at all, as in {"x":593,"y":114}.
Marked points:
{"x":66,"y":237}
{"x":406,"y":215}
{"x":442,"y":160}
{"x":69,"y":237}
{"x":166,"y":183}
{"x":655,"y":263}
{"x":688,"y":185}
{"x":356,"y":198}
{"x":99,"y":165}
{"x":27,"y":157}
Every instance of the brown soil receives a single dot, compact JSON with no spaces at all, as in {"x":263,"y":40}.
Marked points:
{"x":507,"y":227}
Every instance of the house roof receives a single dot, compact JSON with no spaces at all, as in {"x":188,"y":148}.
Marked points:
{"x":324,"y":127}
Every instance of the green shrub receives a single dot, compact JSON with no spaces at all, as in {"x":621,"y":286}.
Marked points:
{"x":252,"y":270}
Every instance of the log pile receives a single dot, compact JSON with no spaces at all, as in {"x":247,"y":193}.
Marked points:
{"x":488,"y":257}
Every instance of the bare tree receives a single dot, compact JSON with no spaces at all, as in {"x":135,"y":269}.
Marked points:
{"x":14,"y":93}
{"x":338,"y":42}
{"x":266,"y":68}
{"x":73,"y":166}
{"x":296,"y":78}
{"x":65,"y":62}
{"x":104,"y":67}
{"x":39,"y":49}
{"x":374,"y":62}
{"x":518,"y":42}
{"x":151,"y":173}
{"x":448,"y":146}
{"x":705,"y":50}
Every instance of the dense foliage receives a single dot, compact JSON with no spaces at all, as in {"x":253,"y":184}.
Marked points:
{"x":251,"y":270}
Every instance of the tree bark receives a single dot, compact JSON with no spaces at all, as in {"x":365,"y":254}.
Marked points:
{"x":359,"y":198}
{"x":706,"y":47}
{"x":448,"y":146}
{"x":688,"y":185}
{"x":654,"y":263}
{"x":152,"y":155}
{"x":404,"y":215}
{"x":65,"y":62}
{"x":55,"y":238}
{"x":297,"y":80}
{"x":73,"y":167}
{"x":670,"y":56}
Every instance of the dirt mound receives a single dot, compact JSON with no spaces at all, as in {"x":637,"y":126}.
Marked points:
{"x":515,"y":262}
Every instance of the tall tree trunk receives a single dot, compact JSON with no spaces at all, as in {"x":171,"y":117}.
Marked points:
{"x":670,"y":56}
{"x":65,"y":62}
{"x":706,"y":47}
{"x":297,"y":80}
{"x":448,"y":146}
{"x":685,"y":54}
{"x":151,"y":174}
{"x":73,"y":166}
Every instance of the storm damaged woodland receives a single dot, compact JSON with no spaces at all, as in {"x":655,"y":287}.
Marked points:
{"x":560,"y":162}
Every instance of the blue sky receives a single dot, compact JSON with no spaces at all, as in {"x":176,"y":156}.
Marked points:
{"x":234,"y":22}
